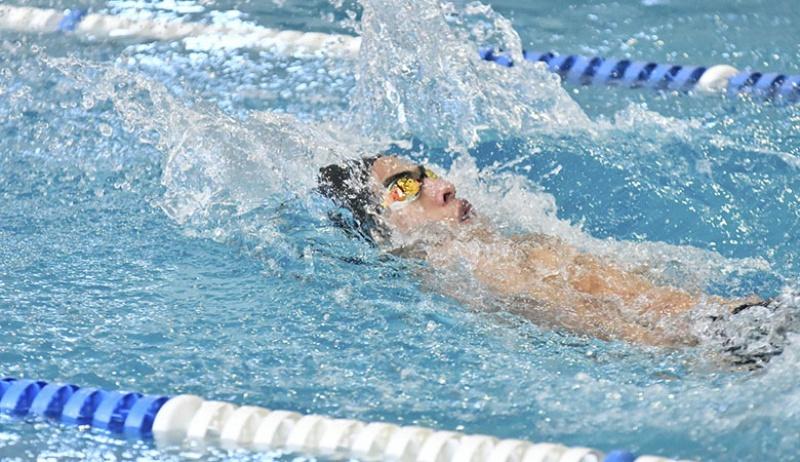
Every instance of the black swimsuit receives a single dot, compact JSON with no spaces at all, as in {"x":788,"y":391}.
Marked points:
{"x":740,"y":347}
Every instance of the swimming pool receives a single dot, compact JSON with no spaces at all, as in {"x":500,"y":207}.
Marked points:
{"x":158,"y":231}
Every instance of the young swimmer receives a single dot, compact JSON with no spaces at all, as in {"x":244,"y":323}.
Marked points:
{"x":414,"y":211}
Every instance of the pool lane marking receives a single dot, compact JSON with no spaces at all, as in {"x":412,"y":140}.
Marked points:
{"x":173,"y":420}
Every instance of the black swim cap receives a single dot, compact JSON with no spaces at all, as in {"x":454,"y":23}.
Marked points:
{"x":348,"y":186}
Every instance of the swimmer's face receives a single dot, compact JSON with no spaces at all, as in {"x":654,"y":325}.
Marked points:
{"x":413,"y":196}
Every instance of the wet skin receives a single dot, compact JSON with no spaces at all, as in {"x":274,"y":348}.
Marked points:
{"x":552,"y":283}
{"x":437,"y":201}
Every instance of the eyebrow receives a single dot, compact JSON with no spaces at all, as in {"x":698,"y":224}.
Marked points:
{"x":420,"y":170}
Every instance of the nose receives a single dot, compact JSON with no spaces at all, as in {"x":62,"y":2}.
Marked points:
{"x":441,"y":191}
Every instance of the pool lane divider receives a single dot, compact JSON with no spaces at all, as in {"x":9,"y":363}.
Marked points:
{"x":177,"y":419}
{"x":574,"y":69}
{"x":599,"y":71}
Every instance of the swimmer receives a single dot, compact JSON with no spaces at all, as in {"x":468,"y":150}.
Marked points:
{"x":411,"y":210}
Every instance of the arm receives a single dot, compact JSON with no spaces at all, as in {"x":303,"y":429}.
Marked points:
{"x":591,"y":275}
{"x":552,"y":284}
{"x":555,"y":285}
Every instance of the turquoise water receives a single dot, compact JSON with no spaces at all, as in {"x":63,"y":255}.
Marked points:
{"x":158,"y":229}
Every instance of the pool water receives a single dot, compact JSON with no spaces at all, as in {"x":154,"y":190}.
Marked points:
{"x":159,"y":231}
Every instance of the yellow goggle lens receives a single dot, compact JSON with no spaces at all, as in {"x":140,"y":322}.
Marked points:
{"x":406,"y":189}
{"x":409,"y":186}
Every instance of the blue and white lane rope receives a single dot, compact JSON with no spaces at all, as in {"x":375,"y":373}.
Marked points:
{"x":575,"y":69}
{"x":596,"y":70}
{"x":172,"y":420}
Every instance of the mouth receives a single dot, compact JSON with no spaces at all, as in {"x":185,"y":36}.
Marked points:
{"x":464,"y":211}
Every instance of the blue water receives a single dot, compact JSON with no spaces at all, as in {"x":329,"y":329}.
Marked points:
{"x":159,"y":233}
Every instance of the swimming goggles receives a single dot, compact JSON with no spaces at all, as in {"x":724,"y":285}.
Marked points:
{"x":404,"y":188}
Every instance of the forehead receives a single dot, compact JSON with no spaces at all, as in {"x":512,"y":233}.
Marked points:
{"x":385,"y":167}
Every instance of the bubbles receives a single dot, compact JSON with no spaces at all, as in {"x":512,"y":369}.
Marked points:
{"x":87,"y":103}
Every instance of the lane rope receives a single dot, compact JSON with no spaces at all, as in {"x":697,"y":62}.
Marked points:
{"x":574,"y":69}
{"x":597,"y":70}
{"x":177,"y":419}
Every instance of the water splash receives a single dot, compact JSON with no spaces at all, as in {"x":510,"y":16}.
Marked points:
{"x":218,"y":166}
{"x":418,"y":74}
{"x":513,"y":203}
{"x":214,"y":162}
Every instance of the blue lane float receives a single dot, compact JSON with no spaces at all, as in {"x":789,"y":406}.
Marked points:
{"x":19,"y":396}
{"x":112,"y":412}
{"x":71,"y":20}
{"x":118,"y":412}
{"x":172,"y":420}
{"x":81,"y":406}
{"x":51,"y":400}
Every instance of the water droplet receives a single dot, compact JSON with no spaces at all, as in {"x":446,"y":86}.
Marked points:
{"x":105,"y":129}
{"x":87,"y":102}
